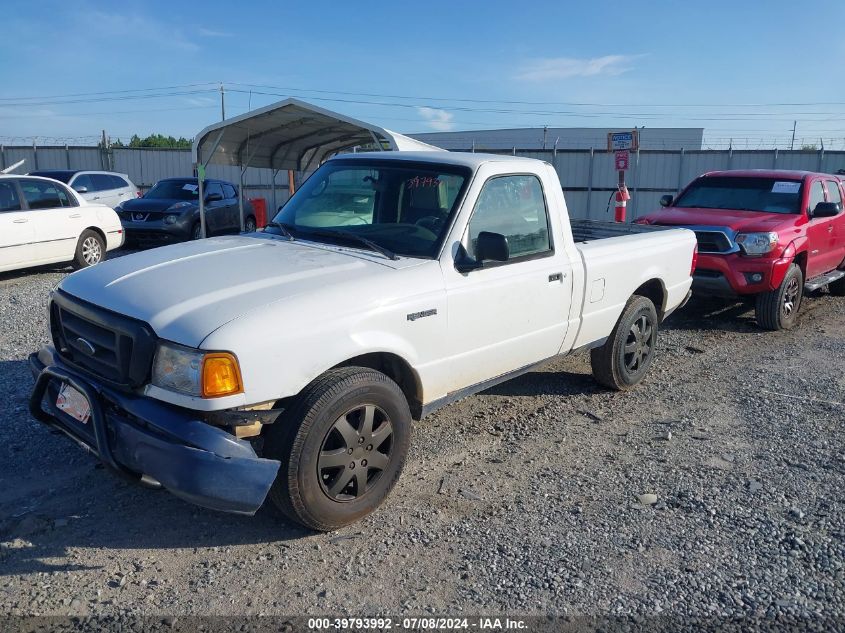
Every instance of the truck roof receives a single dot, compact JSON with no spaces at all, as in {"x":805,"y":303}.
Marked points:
{"x":463,"y":159}
{"x":791,"y":174}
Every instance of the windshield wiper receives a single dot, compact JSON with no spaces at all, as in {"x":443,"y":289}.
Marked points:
{"x":283,"y":228}
{"x":356,"y":238}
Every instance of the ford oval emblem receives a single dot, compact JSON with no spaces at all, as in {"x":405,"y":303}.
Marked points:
{"x":86,"y":346}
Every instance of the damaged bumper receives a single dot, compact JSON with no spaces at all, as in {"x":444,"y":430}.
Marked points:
{"x":139,"y":436}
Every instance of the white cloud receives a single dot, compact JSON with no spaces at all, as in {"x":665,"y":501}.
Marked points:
{"x":212,"y":33}
{"x":547,"y":68}
{"x":437,"y":119}
{"x":129,"y":26}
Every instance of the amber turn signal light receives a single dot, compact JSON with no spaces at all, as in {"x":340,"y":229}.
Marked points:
{"x":221,"y":375}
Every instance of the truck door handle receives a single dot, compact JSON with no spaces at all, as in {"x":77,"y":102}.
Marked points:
{"x":20,"y":221}
{"x":555,"y":277}
{"x":75,"y":215}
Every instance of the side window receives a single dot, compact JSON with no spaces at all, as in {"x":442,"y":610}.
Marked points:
{"x":816,"y":195}
{"x":9,"y":200}
{"x":117,"y":182}
{"x":42,"y":194}
{"x":833,"y":194}
{"x":230,"y":192}
{"x":83,"y":180}
{"x":102,"y":182}
{"x":515,"y":207}
{"x":212,"y":188}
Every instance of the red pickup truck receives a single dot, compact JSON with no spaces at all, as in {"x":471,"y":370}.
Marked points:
{"x":770,"y":234}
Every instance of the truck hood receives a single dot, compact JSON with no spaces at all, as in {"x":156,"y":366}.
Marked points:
{"x":739,"y":221}
{"x":186,"y":291}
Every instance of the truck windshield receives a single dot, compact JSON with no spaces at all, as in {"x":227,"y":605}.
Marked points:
{"x":402,"y":206}
{"x":738,"y":193}
{"x":174,"y":190}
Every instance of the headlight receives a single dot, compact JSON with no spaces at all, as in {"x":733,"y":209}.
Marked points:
{"x":757,"y":243}
{"x":196,"y":373}
{"x":170,"y":219}
{"x":179,"y":206}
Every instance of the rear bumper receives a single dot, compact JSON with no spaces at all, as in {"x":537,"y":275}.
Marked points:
{"x":139,"y":436}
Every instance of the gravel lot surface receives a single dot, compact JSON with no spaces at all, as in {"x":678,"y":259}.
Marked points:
{"x":713,"y":490}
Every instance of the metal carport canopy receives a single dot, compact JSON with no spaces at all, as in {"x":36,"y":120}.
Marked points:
{"x":289,"y":134}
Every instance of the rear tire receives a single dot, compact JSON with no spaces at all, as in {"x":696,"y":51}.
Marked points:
{"x":624,"y":359}
{"x":90,"y":249}
{"x":778,"y":309}
{"x":249,"y":225}
{"x":342,"y":445}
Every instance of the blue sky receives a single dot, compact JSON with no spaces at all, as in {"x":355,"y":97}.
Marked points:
{"x":724,"y":66}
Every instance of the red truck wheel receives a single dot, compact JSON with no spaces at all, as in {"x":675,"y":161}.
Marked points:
{"x":778,"y":309}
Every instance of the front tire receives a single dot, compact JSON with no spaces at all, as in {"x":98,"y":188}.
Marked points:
{"x":778,"y":309}
{"x":624,"y":359}
{"x":342,"y":445}
{"x":90,"y":250}
{"x":196,"y":231}
{"x":249,"y":225}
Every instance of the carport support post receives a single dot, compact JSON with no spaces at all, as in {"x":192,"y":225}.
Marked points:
{"x":241,"y":197}
{"x":275,"y":173}
{"x":201,"y":194}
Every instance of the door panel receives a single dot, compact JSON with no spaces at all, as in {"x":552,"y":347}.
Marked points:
{"x":837,"y":235}
{"x":57,"y":223}
{"x":819,"y":235}
{"x":215,"y":212}
{"x":16,"y":230}
{"x":507,"y":315}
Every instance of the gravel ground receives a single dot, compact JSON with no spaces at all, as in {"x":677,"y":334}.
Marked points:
{"x":526,"y":499}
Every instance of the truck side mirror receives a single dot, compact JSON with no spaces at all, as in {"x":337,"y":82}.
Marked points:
{"x":826,"y":210}
{"x":213,"y":197}
{"x":492,"y":247}
{"x":666,"y":201}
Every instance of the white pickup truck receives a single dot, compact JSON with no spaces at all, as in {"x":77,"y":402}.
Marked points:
{"x":292,"y":361}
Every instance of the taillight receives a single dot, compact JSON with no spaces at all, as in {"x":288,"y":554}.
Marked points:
{"x":138,"y":194}
{"x":694,"y":259}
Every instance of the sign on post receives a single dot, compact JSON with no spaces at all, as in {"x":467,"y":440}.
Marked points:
{"x":622,"y":141}
{"x":622,"y":160}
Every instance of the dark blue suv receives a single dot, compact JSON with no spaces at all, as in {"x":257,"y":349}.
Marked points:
{"x":169,"y":212}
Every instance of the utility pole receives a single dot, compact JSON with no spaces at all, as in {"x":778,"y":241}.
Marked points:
{"x":222,"y":103}
{"x":545,"y":132}
{"x":792,"y":143}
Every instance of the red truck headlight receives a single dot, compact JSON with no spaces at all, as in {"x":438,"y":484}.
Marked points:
{"x":757,"y":243}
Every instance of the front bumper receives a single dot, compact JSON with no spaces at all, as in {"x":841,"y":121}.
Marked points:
{"x":157,"y":230}
{"x":139,"y":436}
{"x":733,"y":274}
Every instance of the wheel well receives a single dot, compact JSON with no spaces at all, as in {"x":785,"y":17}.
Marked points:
{"x":398,"y":370}
{"x":653,"y":289}
{"x":99,"y":232}
{"x":801,"y":260}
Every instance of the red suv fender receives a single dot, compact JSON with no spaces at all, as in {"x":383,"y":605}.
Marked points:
{"x":790,"y":254}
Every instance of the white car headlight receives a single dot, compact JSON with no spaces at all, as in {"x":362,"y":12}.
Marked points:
{"x":177,"y":368}
{"x":757,"y":243}
{"x":196,"y":373}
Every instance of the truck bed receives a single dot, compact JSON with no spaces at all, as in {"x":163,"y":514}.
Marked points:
{"x":592,"y":230}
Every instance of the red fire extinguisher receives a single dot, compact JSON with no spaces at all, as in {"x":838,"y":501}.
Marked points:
{"x":622,"y":197}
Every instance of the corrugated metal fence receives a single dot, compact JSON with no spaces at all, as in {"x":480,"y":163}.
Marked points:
{"x":588,"y":176}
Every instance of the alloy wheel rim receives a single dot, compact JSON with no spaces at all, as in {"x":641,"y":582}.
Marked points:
{"x":355,"y":453}
{"x":790,"y":297}
{"x":91,"y":251}
{"x":250,"y":226}
{"x":639,"y":344}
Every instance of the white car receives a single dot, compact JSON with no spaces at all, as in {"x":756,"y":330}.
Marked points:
{"x":102,"y":187}
{"x":42,"y":221}
{"x":291,"y":362}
